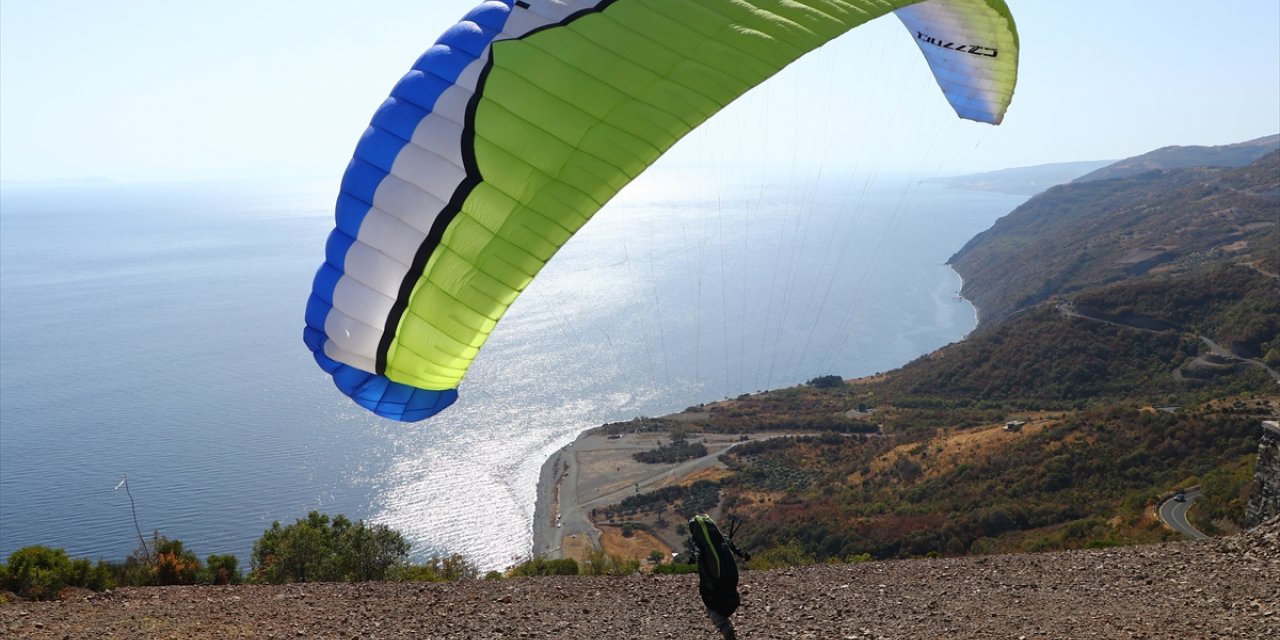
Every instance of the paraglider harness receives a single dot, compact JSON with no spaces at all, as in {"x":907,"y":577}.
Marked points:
{"x":717,"y":570}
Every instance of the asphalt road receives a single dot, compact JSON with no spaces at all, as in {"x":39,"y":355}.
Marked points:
{"x":1174,"y":513}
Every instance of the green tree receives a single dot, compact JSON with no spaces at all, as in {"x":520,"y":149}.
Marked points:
{"x":599,"y":563}
{"x":366,"y":553}
{"x":41,"y":573}
{"x":447,"y":569}
{"x":320,"y":549}
{"x":540,"y":566}
{"x":826,"y":382}
{"x":220,"y":570}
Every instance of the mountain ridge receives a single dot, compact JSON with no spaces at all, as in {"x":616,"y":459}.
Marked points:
{"x":1160,"y":291}
{"x":1185,"y":157}
{"x":1094,"y":232}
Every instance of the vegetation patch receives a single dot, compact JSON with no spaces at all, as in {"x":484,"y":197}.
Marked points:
{"x":675,"y":451}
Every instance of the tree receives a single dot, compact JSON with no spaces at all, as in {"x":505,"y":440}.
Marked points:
{"x":826,"y":382}
{"x":438,"y":569}
{"x":318,"y":549}
{"x":220,"y":570}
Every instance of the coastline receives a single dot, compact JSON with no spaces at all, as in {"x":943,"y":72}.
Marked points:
{"x":597,"y":470}
{"x":546,"y":506}
{"x":565,"y":499}
{"x":977,"y":313}
{"x":560,"y":511}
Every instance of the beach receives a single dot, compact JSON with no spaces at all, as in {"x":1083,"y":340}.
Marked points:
{"x":599,"y":316}
{"x":597,"y":470}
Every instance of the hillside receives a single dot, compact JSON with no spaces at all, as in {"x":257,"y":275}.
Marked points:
{"x":1091,"y":233}
{"x":1140,"y":357}
{"x":1183,"y":157}
{"x":1201,"y":589}
{"x":928,"y":467}
{"x":1136,"y":339}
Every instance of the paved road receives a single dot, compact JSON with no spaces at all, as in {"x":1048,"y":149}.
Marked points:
{"x":1069,"y":309}
{"x":1174,"y":514}
{"x":1223,"y":352}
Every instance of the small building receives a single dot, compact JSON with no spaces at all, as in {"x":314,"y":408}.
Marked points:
{"x":1014,"y":426}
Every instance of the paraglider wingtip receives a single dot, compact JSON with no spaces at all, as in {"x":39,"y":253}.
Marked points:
{"x":404,"y":403}
{"x":386,"y":397}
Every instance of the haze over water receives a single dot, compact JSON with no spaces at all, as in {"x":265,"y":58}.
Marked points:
{"x":155,"y":331}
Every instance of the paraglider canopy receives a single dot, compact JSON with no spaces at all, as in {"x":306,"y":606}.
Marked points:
{"x":522,"y":121}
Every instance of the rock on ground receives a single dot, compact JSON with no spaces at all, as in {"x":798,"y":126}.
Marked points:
{"x":1219,"y":588}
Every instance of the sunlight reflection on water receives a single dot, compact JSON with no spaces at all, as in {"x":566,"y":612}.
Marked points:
{"x":155,"y":331}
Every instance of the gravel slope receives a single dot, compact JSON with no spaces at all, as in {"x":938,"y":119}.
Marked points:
{"x":1221,"y":588}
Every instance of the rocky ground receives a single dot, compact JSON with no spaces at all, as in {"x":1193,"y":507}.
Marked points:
{"x":1219,"y":588}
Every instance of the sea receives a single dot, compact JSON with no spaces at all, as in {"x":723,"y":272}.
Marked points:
{"x":153,"y":333}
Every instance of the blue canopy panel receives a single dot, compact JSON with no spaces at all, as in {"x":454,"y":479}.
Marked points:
{"x":377,"y":393}
{"x":389,"y":131}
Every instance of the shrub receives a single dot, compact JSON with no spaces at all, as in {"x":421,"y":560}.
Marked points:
{"x":173,"y":564}
{"x":162,"y":562}
{"x":599,"y":563}
{"x":676,"y":568}
{"x":448,"y":569}
{"x":786,"y":555}
{"x":41,"y":573}
{"x":539,"y":566}
{"x":1103,"y":544}
{"x":320,"y":549}
{"x":678,"y":451}
{"x":220,"y":570}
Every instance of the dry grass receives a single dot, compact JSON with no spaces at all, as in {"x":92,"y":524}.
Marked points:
{"x":713,"y":473}
{"x":954,"y":447}
{"x":637,"y":547}
{"x":577,"y":547}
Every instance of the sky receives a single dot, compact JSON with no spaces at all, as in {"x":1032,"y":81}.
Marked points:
{"x":150,"y":90}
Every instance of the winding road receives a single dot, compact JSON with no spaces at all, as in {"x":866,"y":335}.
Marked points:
{"x":1068,"y":309}
{"x":1174,"y":514}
